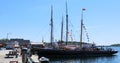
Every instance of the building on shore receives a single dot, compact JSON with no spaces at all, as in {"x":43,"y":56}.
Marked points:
{"x":37,"y":45}
{"x":17,"y":42}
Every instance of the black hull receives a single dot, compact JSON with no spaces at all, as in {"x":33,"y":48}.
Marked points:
{"x":73,"y":53}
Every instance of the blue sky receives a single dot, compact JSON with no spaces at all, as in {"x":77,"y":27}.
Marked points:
{"x":30,"y":19}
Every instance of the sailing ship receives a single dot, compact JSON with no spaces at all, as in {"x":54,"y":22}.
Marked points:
{"x":64,"y":50}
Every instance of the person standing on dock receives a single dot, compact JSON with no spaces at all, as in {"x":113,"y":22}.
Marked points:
{"x":24,"y":53}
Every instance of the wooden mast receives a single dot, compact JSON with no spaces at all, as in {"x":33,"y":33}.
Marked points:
{"x":62,"y":29}
{"x":51,"y":36}
{"x":66,"y":24}
{"x":81,"y":27}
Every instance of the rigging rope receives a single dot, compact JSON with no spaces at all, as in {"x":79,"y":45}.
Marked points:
{"x":86,"y":32}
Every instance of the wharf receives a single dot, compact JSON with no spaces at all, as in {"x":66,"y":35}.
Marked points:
{"x":3,"y":58}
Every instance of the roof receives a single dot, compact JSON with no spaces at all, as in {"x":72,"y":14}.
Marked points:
{"x":36,"y":43}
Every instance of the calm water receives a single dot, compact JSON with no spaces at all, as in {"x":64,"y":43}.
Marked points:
{"x":110,"y":59}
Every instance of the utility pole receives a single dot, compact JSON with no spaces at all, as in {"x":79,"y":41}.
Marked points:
{"x":8,"y":35}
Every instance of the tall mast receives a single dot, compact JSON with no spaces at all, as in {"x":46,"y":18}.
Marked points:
{"x":66,"y":23}
{"x":81,"y":27}
{"x":62,"y":29}
{"x":71,"y":36}
{"x":51,"y":36}
{"x":42,"y":40}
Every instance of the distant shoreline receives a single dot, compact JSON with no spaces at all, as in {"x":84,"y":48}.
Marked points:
{"x":115,"y":45}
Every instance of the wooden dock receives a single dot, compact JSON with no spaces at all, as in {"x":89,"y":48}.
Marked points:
{"x":4,"y":59}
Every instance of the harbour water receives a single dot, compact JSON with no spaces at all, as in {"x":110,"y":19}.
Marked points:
{"x":107,"y":59}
